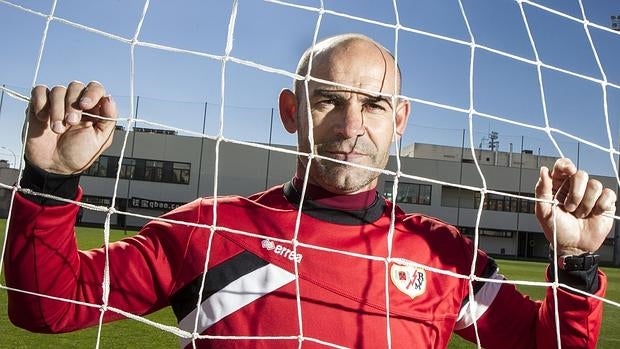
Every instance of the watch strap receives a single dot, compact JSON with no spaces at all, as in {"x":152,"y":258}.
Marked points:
{"x":581,"y":262}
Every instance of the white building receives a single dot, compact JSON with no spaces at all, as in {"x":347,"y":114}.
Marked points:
{"x":167,"y":170}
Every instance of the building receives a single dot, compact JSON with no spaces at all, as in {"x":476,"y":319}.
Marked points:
{"x":507,"y":224}
{"x":162,"y":170}
{"x":8,"y":177}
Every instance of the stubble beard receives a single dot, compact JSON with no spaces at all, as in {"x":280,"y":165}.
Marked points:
{"x":344,"y":178}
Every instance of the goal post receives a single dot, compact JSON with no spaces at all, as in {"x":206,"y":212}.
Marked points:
{"x":497,"y":90}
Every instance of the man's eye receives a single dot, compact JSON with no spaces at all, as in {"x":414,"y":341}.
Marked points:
{"x":327,"y":102}
{"x":375,"y":108}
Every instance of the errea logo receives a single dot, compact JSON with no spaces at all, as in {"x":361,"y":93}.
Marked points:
{"x":281,"y":250}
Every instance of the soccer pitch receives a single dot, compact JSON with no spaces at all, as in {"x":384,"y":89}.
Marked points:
{"x":134,"y":334}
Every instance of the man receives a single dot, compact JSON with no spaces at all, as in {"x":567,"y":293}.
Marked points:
{"x":278,"y":282}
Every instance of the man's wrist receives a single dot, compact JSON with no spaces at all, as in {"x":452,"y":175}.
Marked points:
{"x":41,"y":181}
{"x":579,"y":270}
{"x":573,"y":259}
{"x":567,"y":251}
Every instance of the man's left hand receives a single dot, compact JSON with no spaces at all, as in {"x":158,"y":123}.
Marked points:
{"x":584,"y":211}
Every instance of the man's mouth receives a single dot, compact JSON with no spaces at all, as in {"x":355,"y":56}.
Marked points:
{"x":344,"y":155}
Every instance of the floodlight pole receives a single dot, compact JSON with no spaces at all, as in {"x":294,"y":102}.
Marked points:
{"x":202,"y":145}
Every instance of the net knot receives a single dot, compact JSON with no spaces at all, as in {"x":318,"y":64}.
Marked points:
{"x":195,"y":335}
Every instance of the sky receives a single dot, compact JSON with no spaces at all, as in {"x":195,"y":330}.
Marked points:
{"x":433,"y":48}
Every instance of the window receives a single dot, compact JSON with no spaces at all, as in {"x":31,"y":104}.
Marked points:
{"x":470,"y":231}
{"x":98,"y":168}
{"x":496,"y":202}
{"x":181,"y":172}
{"x":409,"y":193}
{"x":127,"y":168}
{"x":526,"y":206}
{"x":153,"y":170}
{"x":141,"y":169}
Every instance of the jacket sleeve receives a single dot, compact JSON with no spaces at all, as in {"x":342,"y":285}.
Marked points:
{"x":509,"y":319}
{"x":54,"y":287}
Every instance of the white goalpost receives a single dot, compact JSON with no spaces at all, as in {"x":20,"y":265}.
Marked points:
{"x":473,"y":116}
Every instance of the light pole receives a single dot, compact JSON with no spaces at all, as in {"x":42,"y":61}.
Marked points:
{"x":14,"y":156}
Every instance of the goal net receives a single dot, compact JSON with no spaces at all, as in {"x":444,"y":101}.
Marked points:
{"x":497,"y":90}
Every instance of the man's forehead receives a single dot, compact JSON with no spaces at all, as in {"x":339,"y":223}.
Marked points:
{"x":360,"y":65}
{"x":364,"y":80}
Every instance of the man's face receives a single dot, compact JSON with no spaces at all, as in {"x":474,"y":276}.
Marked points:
{"x":349,"y":125}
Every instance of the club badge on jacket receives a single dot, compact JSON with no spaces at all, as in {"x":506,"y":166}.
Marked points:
{"x":408,"y":279}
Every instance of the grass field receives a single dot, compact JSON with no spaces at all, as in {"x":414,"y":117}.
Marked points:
{"x":133,"y":334}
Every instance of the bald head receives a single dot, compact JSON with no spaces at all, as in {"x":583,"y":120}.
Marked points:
{"x":347,"y":46}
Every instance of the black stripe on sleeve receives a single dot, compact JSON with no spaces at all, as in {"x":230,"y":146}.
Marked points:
{"x":184,"y":301}
{"x":489,"y":269}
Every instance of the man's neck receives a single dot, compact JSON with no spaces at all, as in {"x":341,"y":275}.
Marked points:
{"x":357,"y":201}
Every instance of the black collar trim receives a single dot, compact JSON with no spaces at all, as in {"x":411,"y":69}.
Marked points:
{"x":345,"y":217}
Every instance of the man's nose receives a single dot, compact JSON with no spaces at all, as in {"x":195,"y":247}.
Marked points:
{"x":351,"y":122}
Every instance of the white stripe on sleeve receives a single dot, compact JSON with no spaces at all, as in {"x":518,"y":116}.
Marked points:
{"x":235,"y":296}
{"x":482,"y":299}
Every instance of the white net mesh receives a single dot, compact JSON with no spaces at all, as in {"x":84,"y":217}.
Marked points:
{"x":542,"y":75}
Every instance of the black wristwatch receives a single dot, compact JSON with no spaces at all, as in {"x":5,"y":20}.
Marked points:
{"x":581,"y":262}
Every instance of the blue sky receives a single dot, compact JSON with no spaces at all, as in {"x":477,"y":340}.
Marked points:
{"x":174,"y":87}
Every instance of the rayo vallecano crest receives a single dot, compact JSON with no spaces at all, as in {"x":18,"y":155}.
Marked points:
{"x":408,"y":279}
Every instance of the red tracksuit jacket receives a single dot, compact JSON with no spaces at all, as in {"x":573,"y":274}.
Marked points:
{"x":329,"y":288}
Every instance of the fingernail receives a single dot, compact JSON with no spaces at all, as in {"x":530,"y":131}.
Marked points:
{"x":86,"y":101}
{"x":73,"y":118}
{"x":58,"y":127}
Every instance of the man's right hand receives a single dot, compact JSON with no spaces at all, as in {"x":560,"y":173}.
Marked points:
{"x":60,"y":138}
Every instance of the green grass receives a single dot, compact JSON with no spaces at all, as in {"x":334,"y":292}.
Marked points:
{"x":118,"y":334}
{"x":134,"y":334}
{"x":534,"y":271}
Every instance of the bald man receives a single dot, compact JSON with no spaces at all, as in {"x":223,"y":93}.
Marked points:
{"x":327,"y":283}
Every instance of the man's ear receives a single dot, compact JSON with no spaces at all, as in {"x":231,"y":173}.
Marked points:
{"x":402,"y":116}
{"x":287,"y":102}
